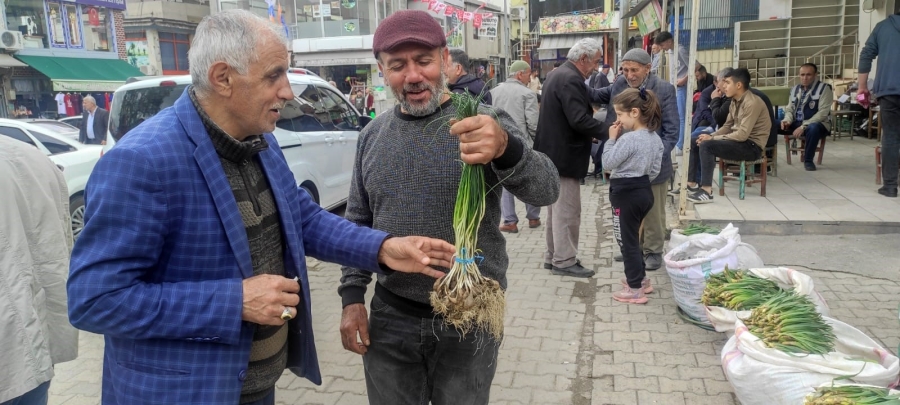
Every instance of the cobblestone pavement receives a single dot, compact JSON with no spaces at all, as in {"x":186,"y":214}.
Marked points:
{"x":567,"y":341}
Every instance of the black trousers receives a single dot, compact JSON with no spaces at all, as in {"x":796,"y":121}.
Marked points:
{"x":705,"y":156}
{"x":631,"y":200}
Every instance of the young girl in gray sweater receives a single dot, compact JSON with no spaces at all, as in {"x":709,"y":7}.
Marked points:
{"x":634,"y":157}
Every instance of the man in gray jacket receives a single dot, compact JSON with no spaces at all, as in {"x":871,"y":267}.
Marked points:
{"x":514,"y":97}
{"x":636,"y":68}
{"x":883,"y":43}
{"x":35,"y":241}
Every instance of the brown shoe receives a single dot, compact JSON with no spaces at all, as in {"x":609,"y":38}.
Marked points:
{"x":534,"y":223}
{"x":510,"y":228}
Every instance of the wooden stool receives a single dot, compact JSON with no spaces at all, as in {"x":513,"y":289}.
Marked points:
{"x":745,"y":177}
{"x":874,"y":124}
{"x":802,"y":148}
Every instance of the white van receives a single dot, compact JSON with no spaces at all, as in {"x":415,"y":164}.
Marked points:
{"x":317,"y":131}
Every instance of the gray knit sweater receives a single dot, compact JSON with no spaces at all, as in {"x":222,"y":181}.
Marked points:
{"x":405,"y":180}
{"x":633,"y":154}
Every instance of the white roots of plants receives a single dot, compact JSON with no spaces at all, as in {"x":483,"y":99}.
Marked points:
{"x":469,"y":301}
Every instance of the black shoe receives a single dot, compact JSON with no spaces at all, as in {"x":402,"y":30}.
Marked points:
{"x":582,"y":181}
{"x":652,"y":261}
{"x":574,"y":270}
{"x":810,"y":166}
{"x":548,"y":266}
{"x":888,"y":192}
{"x":700,"y":197}
{"x":619,"y":258}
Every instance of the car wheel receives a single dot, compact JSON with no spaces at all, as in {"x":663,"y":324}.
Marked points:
{"x":76,"y":210}
{"x":311,"y":190}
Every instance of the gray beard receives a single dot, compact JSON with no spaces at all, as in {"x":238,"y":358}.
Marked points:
{"x":422,"y":109}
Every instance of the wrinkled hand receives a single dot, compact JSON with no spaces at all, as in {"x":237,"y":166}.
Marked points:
{"x":481,"y":139}
{"x":416,"y":254}
{"x":355,"y":322}
{"x":266,"y":296}
{"x":703,"y":138}
{"x":799,"y":132}
{"x":716,"y":93}
{"x":615,"y":130}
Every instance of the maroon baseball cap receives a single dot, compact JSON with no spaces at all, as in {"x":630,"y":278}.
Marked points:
{"x":408,"y":27}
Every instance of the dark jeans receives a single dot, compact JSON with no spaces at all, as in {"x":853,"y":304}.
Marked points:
{"x":814,"y":134}
{"x":890,"y":139}
{"x":413,"y":360}
{"x":705,"y":156}
{"x":37,"y":396}
{"x":631,"y":200}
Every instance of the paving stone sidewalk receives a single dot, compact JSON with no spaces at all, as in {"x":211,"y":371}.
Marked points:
{"x":567,"y":341}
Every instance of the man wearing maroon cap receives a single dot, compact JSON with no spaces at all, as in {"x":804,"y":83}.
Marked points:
{"x":405,"y":181}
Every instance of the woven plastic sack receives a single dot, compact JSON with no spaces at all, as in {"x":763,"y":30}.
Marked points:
{"x":692,"y":262}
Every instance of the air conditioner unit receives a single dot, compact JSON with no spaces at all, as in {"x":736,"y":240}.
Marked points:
{"x":11,"y":40}
{"x":517,"y":13}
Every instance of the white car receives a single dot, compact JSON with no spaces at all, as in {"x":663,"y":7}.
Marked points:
{"x":74,"y":120}
{"x":317,"y":131}
{"x":76,"y":160}
{"x":58,"y":127}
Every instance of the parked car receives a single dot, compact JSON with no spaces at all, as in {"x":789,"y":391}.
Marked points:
{"x":317,"y":131}
{"x":55,"y":126}
{"x":75,"y":159}
{"x":74,"y":120}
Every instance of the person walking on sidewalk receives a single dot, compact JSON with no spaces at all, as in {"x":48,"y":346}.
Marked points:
{"x":634,"y":157}
{"x":517,"y":100}
{"x":565,"y":133}
{"x":35,"y":241}
{"x":410,"y":355}
{"x":636,"y":65}
{"x":883,"y":44}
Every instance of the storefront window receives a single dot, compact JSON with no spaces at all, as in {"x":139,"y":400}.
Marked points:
{"x":340,"y":17}
{"x":173,"y":49}
{"x":28,"y":17}
{"x":96,"y":28}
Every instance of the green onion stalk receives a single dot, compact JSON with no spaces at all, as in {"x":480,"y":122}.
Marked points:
{"x":695,"y":229}
{"x":738,"y":290}
{"x":465,"y":298}
{"x":790,"y":323}
{"x":851,"y":395}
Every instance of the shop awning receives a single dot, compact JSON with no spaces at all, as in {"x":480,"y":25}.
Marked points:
{"x":564,"y":41}
{"x":7,"y":60}
{"x":309,"y":59}
{"x":81,"y":74}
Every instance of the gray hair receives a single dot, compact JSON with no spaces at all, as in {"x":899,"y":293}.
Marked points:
{"x":723,"y":72}
{"x":231,"y":36}
{"x":585,"y":47}
{"x":90,"y":98}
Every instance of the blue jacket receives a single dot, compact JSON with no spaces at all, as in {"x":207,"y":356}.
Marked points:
{"x":159,"y":266}
{"x":883,"y":43}
{"x":665,"y":93}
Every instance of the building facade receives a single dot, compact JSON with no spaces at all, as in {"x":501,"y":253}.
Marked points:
{"x":158,"y":34}
{"x":61,"y":47}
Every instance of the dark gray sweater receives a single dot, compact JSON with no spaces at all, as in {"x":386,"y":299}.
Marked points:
{"x":405,"y":180}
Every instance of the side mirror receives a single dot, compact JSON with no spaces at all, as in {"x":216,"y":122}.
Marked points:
{"x":364,"y":120}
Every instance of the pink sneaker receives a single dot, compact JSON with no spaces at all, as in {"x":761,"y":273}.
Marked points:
{"x":630,"y":296}
{"x":645,"y":285}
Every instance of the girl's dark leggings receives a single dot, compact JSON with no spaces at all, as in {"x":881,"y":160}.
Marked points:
{"x":631,"y":200}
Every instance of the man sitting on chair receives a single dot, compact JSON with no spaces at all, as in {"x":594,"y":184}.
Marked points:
{"x":743,"y":136}
{"x":808,"y":112}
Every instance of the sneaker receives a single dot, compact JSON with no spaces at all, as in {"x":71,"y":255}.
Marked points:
{"x":630,"y":296}
{"x":548,"y":266}
{"x":700,"y":197}
{"x":646,"y":288}
{"x":534,"y":223}
{"x":575,"y":270}
{"x":677,"y":190}
{"x":888,"y":191}
{"x":652,"y":261}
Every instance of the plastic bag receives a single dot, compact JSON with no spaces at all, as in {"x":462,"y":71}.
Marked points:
{"x":692,"y":262}
{"x":723,"y":319}
{"x":765,"y":376}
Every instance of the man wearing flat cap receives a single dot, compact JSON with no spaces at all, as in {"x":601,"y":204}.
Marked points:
{"x":636,"y":74}
{"x":405,"y":181}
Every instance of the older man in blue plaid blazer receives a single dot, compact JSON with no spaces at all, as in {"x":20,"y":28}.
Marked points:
{"x":192,"y":257}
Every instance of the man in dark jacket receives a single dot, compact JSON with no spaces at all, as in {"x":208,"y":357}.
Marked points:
{"x":599,"y":79}
{"x":93,"y":123}
{"x":636,"y":67}
{"x":459,"y":80}
{"x":566,"y":128}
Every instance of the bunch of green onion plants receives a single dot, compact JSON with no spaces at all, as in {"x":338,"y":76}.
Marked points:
{"x":465,"y":298}
{"x":694,"y":229}
{"x":851,"y":395}
{"x":790,"y":323}
{"x":738,"y":290}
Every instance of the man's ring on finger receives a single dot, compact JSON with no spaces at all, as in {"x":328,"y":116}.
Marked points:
{"x":286,"y":315}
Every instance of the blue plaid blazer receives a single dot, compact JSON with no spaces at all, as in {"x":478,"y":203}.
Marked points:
{"x":159,"y":265}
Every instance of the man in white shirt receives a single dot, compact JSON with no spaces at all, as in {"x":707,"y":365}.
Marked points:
{"x":93,"y":123}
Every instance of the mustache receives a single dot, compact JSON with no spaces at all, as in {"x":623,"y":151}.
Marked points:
{"x":416,"y":87}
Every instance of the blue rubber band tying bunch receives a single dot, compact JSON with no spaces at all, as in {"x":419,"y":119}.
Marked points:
{"x":463,"y":252}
